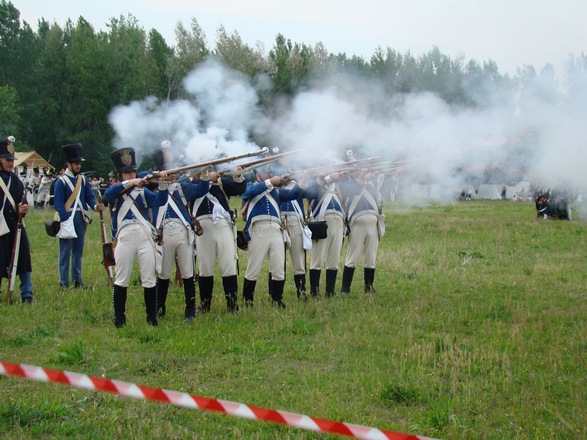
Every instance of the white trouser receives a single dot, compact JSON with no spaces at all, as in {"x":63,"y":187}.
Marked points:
{"x":135,"y":240}
{"x":217,"y":242}
{"x":266,"y":240}
{"x":296,"y":250}
{"x":328,"y":249}
{"x":178,"y":243}
{"x":363,"y":238}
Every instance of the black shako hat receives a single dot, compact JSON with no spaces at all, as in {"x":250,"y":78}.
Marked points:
{"x":162,"y":159}
{"x":7,"y":149}
{"x":72,"y":153}
{"x":124,"y":160}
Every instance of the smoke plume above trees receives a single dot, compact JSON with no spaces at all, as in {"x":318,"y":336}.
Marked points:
{"x":438,"y":142}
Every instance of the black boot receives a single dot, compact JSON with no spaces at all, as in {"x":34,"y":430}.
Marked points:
{"x":189,"y":291}
{"x":369,"y":275}
{"x":269,"y":285}
{"x":119,"y":300}
{"x":162,"y":289}
{"x":249,"y":292}
{"x":300,"y":282}
{"x":230,"y":285}
{"x":150,"y":295}
{"x":314,"y":283}
{"x":277,"y":292}
{"x":347,"y":279}
{"x":206,"y":285}
{"x":330,"y":282}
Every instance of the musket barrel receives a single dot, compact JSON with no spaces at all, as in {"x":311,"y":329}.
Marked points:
{"x":338,"y":167}
{"x":248,"y":166}
{"x":13,"y":268}
{"x":209,"y":163}
{"x":259,"y":162}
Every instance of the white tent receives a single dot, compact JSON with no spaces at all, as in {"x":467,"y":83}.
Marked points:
{"x":520,"y":189}
{"x":31,"y":159}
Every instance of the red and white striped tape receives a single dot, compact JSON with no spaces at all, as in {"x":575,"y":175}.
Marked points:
{"x":188,"y":401}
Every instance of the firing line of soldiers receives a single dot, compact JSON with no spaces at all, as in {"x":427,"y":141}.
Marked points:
{"x":192,"y":212}
{"x":167,"y":217}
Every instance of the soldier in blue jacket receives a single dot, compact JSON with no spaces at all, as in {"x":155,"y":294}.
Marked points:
{"x":73,"y":182}
{"x":324,"y":194}
{"x":218,"y":242}
{"x":364,"y":219}
{"x":264,"y":231}
{"x":292,"y":213}
{"x":174,"y":222}
{"x":135,"y":235}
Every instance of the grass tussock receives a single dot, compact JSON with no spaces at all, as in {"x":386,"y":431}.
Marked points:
{"x":477,"y":330}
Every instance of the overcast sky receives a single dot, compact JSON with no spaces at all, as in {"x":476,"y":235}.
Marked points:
{"x":510,"y":32}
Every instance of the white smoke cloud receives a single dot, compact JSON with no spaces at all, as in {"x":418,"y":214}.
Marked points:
{"x":143,"y":125}
{"x":216,"y":121}
{"x":437,"y":143}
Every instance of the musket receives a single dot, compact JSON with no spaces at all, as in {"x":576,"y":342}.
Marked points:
{"x":343,"y":167}
{"x":249,"y":166}
{"x":157,"y":174}
{"x":390,"y":167}
{"x":13,"y":268}
{"x":107,"y":252}
{"x":259,"y":162}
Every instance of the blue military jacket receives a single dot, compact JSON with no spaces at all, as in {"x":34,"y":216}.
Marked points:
{"x":63,"y":190}
{"x":266,"y":201}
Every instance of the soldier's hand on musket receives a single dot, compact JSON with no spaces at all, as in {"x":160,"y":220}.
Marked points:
{"x":137,"y":181}
{"x":23,"y":208}
{"x":276,"y":180}
{"x":99,"y":207}
{"x":237,"y":175}
{"x":214,"y":176}
{"x":368,"y":176}
{"x":204,"y":173}
{"x":164,"y":175}
{"x":334,"y":176}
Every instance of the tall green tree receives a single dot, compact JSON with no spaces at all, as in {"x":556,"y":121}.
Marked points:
{"x":537,"y":91}
{"x":18,"y":52}
{"x":190,"y":50}
{"x":576,"y":81}
{"x":9,"y":111}
{"x":235,"y":53}
{"x":88,"y":90}
{"x":131,"y":73}
{"x":47,"y":116}
{"x":160,"y":54}
{"x":291,"y":65}
{"x":442,"y":75}
{"x":15,"y":42}
{"x":386,"y":66}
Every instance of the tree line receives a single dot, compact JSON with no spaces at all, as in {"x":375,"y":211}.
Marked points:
{"x":58,"y":84}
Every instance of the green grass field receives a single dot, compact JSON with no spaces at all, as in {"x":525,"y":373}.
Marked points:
{"x":478,"y":331}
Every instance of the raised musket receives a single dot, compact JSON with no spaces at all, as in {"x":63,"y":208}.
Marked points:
{"x":13,"y":268}
{"x":203,"y":165}
{"x":251,"y":165}
{"x":343,"y":167}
